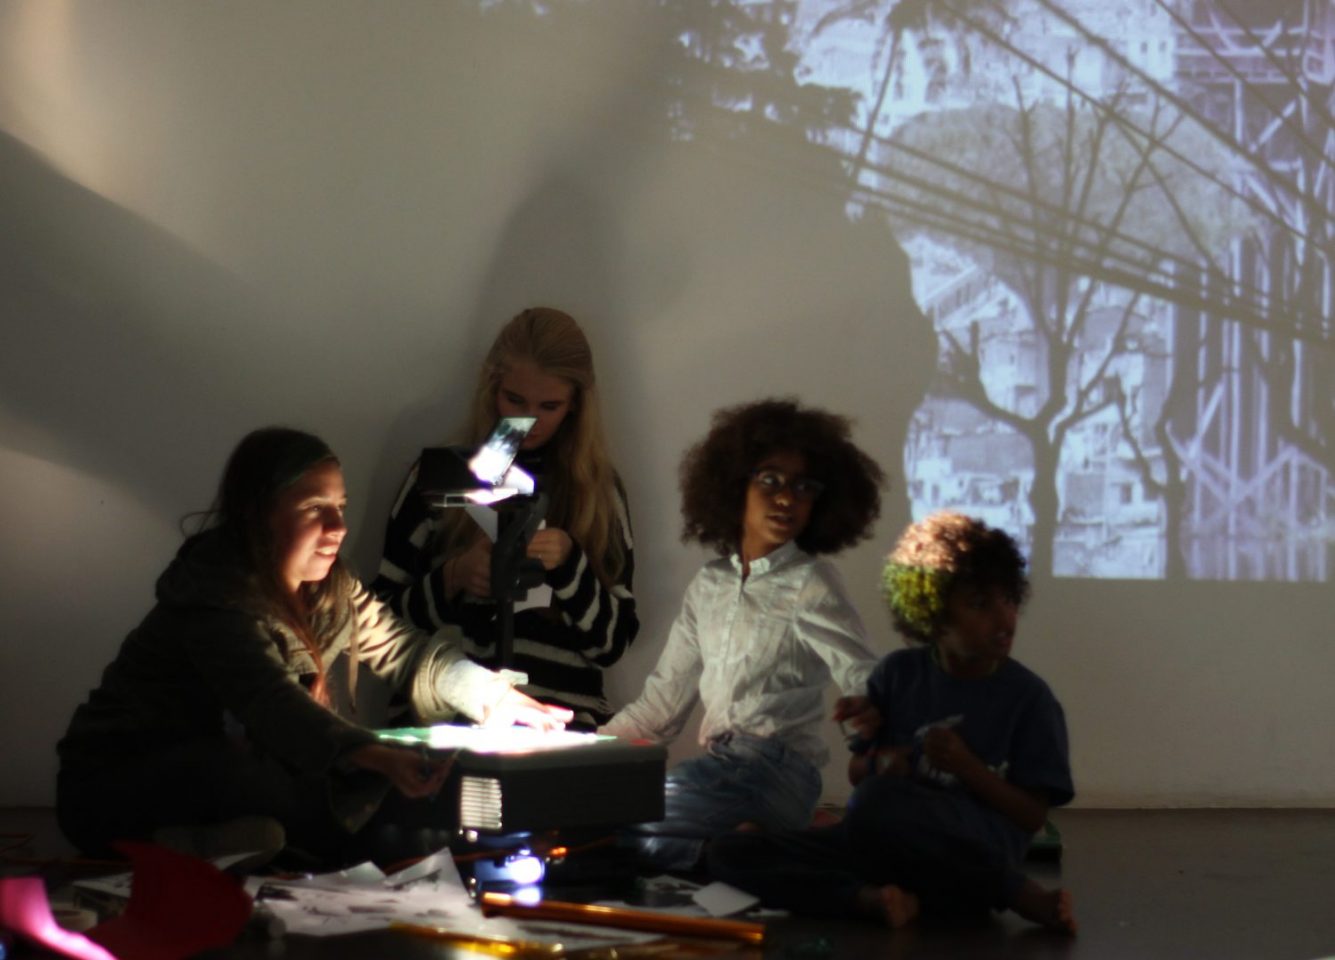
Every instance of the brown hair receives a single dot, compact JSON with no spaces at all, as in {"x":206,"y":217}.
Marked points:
{"x":264,"y":463}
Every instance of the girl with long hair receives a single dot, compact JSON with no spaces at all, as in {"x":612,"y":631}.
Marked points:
{"x":215,"y":715}
{"x":435,"y":569}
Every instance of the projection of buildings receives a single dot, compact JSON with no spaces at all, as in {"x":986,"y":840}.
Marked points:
{"x":1119,"y":219}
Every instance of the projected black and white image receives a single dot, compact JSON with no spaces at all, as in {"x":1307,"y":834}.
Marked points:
{"x":1119,"y":219}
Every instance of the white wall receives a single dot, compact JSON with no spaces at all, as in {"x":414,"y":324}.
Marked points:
{"x":217,"y":216}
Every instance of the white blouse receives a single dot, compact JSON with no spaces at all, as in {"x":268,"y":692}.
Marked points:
{"x":758,"y":651}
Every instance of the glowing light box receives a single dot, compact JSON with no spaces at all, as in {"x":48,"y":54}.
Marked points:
{"x":516,"y":779}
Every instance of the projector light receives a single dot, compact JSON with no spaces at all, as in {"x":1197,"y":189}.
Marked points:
{"x":518,"y":870}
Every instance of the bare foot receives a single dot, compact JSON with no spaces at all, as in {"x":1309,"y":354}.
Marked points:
{"x":1051,"y":908}
{"x":901,"y":906}
{"x":891,"y":905}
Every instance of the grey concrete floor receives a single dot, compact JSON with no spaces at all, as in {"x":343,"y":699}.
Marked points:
{"x":1148,"y":884}
{"x":1216,"y":884}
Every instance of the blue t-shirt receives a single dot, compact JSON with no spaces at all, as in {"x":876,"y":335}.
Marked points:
{"x":1010,"y":719}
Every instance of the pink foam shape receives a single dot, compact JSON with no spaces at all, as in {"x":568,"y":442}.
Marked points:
{"x":25,"y":910}
{"x":179,"y":906}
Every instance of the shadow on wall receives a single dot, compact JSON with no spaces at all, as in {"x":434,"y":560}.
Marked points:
{"x":116,"y":328}
{"x":557,"y":249}
{"x":666,"y":216}
{"x":785,"y":295}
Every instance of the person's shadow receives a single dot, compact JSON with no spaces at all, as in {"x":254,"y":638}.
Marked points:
{"x":114,"y":327}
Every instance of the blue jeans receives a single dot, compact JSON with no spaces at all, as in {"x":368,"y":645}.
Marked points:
{"x":739,"y":779}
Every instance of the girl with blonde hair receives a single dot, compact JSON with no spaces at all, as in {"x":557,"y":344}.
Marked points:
{"x":435,"y":569}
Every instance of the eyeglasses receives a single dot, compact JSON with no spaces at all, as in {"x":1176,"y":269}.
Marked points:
{"x":772,"y":483}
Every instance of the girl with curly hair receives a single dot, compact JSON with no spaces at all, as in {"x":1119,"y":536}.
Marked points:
{"x":763,"y":628}
{"x":961,"y":752}
{"x":436,"y":569}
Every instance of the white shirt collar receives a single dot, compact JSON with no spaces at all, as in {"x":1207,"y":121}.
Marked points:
{"x":771,"y":560}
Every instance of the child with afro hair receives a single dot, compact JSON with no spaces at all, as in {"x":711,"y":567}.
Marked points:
{"x":762,"y":629}
{"x":961,"y":752}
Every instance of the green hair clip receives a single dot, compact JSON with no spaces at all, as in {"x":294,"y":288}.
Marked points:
{"x":916,"y":595}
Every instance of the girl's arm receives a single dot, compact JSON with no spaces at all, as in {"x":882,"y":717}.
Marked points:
{"x":604,"y":618}
{"x":410,"y":580}
{"x":438,"y":678}
{"x":239,"y":657}
{"x":828,"y":623}
{"x":671,"y":691}
{"x":861,"y":715}
{"x":412,"y":774}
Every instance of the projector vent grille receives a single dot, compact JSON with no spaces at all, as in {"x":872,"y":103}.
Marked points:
{"x":480,"y":803}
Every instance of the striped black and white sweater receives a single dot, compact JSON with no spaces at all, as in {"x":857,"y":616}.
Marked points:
{"x":563,"y":649}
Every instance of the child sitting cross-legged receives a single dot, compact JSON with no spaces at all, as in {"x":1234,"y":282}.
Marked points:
{"x":960,"y":753}
{"x":763,"y":628}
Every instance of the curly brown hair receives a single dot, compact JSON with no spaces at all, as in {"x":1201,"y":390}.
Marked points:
{"x":716,"y":471}
{"x":936,"y":556}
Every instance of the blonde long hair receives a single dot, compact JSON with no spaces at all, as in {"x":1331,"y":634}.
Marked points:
{"x":579,"y":478}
